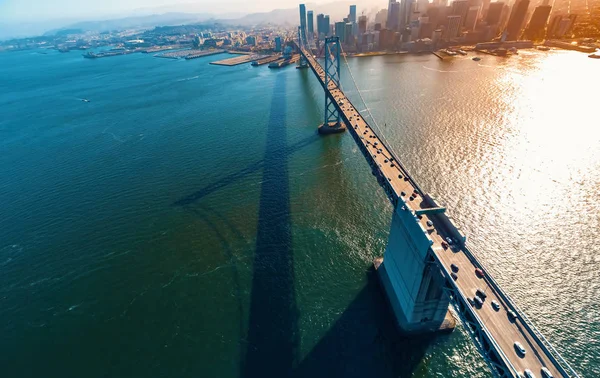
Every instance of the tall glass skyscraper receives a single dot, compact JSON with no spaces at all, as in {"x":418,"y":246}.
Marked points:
{"x":303,"y":20}
{"x":352,"y":15}
{"x":311,"y":28}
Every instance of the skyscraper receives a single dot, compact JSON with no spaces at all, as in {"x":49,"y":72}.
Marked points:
{"x":516,"y":20}
{"x":453,"y":28}
{"x":352,"y":15}
{"x":327,"y":25}
{"x":472,"y":17}
{"x":320,"y":29}
{"x":311,"y":28}
{"x":340,"y":30}
{"x":537,"y":24}
{"x":348,"y":33}
{"x":393,"y":21}
{"x":494,"y":13}
{"x":389,"y":14}
{"x":460,"y":8}
{"x":362,"y":24}
{"x":406,"y":9}
{"x":303,"y":20}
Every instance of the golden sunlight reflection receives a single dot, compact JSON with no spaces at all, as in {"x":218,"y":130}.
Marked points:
{"x":550,"y":145}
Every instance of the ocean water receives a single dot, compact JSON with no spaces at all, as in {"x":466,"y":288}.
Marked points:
{"x":189,"y":222}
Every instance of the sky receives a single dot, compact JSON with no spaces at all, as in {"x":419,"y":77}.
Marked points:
{"x":44,"y":10}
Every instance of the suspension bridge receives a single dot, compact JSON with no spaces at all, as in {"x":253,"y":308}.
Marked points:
{"x":426,"y":264}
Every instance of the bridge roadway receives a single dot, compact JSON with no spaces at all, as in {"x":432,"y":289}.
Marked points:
{"x":499,"y":326}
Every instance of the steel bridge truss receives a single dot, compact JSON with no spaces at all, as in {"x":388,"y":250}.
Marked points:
{"x":332,"y":75}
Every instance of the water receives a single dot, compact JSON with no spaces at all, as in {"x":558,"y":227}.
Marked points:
{"x":188,"y":221}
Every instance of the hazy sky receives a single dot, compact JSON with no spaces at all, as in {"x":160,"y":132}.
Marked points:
{"x":33,"y":10}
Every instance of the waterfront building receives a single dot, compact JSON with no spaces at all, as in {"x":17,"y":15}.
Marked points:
{"x":485,"y":6}
{"x":494,"y":13}
{"x":362,"y":24}
{"x":277,"y":44}
{"x":406,"y":10}
{"x":472,"y":17}
{"x":560,"y":26}
{"x":460,"y":8}
{"x":453,"y":27}
{"x":303,"y":20}
{"x":393,"y":22}
{"x":349,"y":33}
{"x":537,"y":24}
{"x":340,"y":30}
{"x":516,"y":20}
{"x":436,"y":36}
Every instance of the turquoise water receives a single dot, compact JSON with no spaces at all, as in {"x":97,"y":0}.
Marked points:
{"x":189,"y":221}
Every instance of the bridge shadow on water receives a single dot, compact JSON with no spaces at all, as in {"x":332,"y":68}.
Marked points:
{"x":364,"y":342}
{"x":273,"y":319}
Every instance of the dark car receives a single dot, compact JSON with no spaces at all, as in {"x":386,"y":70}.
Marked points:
{"x":454,"y":267}
{"x":454,"y":276}
{"x":478,"y":301}
{"x":481,"y":294}
{"x":495,"y":306}
{"x":479,"y":273}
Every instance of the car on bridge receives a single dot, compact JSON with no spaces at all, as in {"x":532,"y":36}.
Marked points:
{"x":479,"y":273}
{"x":481,"y":294}
{"x":546,"y":373}
{"x":478,"y":301}
{"x":454,"y":267}
{"x":529,"y":374}
{"x":495,"y":306}
{"x":519,"y":348}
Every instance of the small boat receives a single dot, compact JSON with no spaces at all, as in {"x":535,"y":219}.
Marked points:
{"x":85,"y":100}
{"x":595,"y":55}
{"x":477,"y":59}
{"x":543,"y":48}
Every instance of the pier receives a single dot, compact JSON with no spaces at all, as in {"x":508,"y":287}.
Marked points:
{"x":240,"y":59}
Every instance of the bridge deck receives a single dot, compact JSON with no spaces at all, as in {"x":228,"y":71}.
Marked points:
{"x":503,"y":330}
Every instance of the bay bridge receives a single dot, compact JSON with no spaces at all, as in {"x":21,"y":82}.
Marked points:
{"x":426,"y":265}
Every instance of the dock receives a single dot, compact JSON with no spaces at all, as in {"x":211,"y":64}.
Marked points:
{"x":285,"y":62}
{"x":269,"y":59}
{"x":201,"y":54}
{"x":438,"y":55}
{"x":241,"y":59}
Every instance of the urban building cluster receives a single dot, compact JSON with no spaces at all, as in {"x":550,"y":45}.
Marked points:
{"x":420,"y":25}
{"x":259,"y":39}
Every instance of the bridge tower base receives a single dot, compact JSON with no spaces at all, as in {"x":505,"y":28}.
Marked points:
{"x":332,"y":123}
{"x":411,"y":280}
{"x":332,"y":128}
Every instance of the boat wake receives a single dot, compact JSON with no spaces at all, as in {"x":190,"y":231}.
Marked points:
{"x":188,"y":78}
{"x":436,"y":70}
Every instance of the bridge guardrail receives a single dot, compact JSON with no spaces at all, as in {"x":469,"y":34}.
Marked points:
{"x":476,"y":316}
{"x":537,"y":334}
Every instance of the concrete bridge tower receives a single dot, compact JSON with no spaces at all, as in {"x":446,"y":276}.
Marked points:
{"x":412,"y":281}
